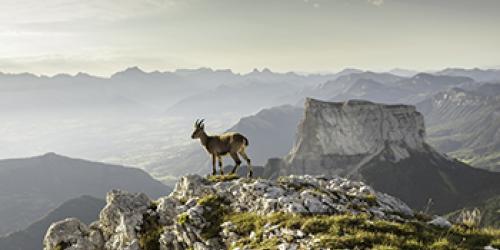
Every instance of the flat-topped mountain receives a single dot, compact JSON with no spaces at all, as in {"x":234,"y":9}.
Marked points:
{"x":384,"y":146}
{"x":31,"y":187}
{"x":355,"y":128}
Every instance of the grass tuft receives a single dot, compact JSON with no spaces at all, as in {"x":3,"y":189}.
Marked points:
{"x":215,"y":208}
{"x":223,"y":178}
{"x":182,"y":218}
{"x":150,"y":232}
{"x":348,"y":231}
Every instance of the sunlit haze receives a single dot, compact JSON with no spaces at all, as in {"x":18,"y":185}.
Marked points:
{"x":104,"y":36}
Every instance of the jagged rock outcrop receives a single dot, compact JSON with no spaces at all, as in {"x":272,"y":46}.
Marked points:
{"x":192,"y":215}
{"x":73,"y":234}
{"x":384,"y":146}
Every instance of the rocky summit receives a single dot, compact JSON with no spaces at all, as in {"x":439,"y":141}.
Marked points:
{"x":292,"y":212}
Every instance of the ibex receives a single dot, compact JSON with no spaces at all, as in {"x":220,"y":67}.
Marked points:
{"x":219,"y":145}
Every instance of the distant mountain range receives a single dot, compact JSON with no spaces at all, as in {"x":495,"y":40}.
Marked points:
{"x":134,"y":91}
{"x":31,"y":187}
{"x":387,"y":88}
{"x":480,"y":75}
{"x":85,"y":208}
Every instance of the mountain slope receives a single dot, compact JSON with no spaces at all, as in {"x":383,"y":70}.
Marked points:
{"x":31,"y":187}
{"x":465,"y":124}
{"x":341,"y":85}
{"x":384,"y":146}
{"x":270,"y":131}
{"x":367,"y":89}
{"x":85,"y":208}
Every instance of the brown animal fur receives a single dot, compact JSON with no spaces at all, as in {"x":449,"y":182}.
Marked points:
{"x":218,"y":146}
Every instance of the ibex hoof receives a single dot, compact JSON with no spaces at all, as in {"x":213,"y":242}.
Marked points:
{"x":221,"y":173}
{"x":250,"y":174}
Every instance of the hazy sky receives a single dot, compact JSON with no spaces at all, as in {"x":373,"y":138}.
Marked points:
{"x":103,"y":36}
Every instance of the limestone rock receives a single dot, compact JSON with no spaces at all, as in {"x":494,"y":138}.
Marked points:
{"x":188,"y":216}
{"x":72,"y":234}
{"x":439,"y":221}
{"x":122,"y":217}
{"x":346,"y":134}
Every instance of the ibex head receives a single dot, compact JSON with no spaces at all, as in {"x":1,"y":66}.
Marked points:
{"x":199,"y":129}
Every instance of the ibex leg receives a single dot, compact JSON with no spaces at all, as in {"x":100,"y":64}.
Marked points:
{"x":237,"y":162}
{"x":214,"y":159}
{"x":250,"y":168}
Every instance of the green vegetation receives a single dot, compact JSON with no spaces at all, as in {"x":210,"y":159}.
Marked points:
{"x":62,"y":245}
{"x":182,"y":218}
{"x":371,"y":199}
{"x":496,"y":243}
{"x":222,"y":178}
{"x":151,"y":239}
{"x":150,"y":232}
{"x":350,"y":231}
{"x":283,"y":180}
{"x":490,"y":213}
{"x":489,"y":160}
{"x":215,"y":208}
{"x":183,"y":200}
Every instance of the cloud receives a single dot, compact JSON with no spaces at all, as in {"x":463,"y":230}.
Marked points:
{"x":376,"y":2}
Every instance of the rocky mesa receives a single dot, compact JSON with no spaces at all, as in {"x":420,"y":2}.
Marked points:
{"x":292,"y":212}
{"x":339,"y":137}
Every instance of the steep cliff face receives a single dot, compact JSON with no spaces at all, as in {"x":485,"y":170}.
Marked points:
{"x":384,"y":146}
{"x":339,"y":137}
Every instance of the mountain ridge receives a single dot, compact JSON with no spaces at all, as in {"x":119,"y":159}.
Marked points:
{"x":85,"y":208}
{"x":54,"y":179}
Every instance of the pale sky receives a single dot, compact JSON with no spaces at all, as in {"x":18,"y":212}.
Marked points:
{"x":104,"y":36}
